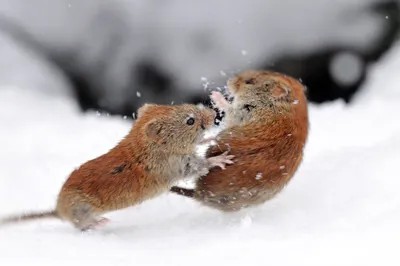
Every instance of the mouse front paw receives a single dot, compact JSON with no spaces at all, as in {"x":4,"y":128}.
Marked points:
{"x":219,"y":100}
{"x":221,"y":160}
{"x":204,"y":171}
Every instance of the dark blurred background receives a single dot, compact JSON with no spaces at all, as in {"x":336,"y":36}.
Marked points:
{"x":114,"y":55}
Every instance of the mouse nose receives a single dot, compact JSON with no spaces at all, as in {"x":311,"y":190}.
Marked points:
{"x":202,"y":124}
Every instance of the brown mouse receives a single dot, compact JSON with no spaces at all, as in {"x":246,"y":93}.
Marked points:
{"x":159,"y":150}
{"x":266,"y":130}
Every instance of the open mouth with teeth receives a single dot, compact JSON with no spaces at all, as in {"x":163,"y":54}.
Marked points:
{"x":228,"y":95}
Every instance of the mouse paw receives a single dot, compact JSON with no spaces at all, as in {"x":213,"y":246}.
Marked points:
{"x":96,"y":224}
{"x":102,"y":221}
{"x":221,"y":160}
{"x":219,"y":100}
{"x":203,"y":171}
{"x":207,"y":140}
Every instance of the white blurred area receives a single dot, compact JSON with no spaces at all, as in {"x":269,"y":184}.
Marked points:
{"x":188,"y":40}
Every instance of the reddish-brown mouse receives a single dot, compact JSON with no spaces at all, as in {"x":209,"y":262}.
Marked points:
{"x":266,"y":130}
{"x":159,"y":150}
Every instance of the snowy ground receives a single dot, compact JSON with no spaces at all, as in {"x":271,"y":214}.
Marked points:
{"x":342,"y":208}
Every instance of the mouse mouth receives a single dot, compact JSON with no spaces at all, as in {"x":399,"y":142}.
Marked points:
{"x":229,"y":94}
{"x":229,"y":97}
{"x":207,"y":140}
{"x":203,"y":138}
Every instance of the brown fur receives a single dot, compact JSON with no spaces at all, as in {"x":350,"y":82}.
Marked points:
{"x":267,"y":128}
{"x":159,"y":149}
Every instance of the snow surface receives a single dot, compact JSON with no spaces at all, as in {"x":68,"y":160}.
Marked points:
{"x":342,"y":207}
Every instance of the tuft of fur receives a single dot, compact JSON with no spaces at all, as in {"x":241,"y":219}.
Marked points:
{"x":266,"y":130}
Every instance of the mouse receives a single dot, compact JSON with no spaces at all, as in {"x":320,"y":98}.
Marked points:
{"x":266,"y":129}
{"x":159,"y":150}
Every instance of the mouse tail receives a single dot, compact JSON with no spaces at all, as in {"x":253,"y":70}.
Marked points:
{"x":183,"y":191}
{"x":29,"y":217}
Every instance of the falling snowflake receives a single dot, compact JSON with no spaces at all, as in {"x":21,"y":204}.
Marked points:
{"x":258,"y":176}
{"x":206,"y":83}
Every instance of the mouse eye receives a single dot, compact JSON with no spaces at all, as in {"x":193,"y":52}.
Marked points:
{"x":248,"y":107}
{"x":190,"y":121}
{"x":249,"y":81}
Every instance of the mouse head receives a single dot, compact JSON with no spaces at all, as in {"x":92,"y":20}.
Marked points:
{"x":175,"y":128}
{"x":254,"y":89}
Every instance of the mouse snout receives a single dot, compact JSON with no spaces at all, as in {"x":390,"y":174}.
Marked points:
{"x":233,"y":85}
{"x":202,"y":125}
{"x":207,"y":119}
{"x":205,"y":123}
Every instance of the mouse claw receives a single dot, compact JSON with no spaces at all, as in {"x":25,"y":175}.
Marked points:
{"x":102,"y":221}
{"x":230,"y":157}
{"x":221,"y":160}
{"x":219,"y":100}
{"x":97,"y":224}
{"x":221,"y":165}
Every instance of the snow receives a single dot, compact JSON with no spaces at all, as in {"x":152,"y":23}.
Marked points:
{"x":39,"y":74}
{"x":258,"y":176}
{"x":341,"y":208}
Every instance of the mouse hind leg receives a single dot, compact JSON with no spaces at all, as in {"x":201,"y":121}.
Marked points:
{"x":85,"y":218}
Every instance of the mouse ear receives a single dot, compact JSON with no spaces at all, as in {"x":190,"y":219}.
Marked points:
{"x":279,"y":91}
{"x":143,"y":109}
{"x":153,"y":130}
